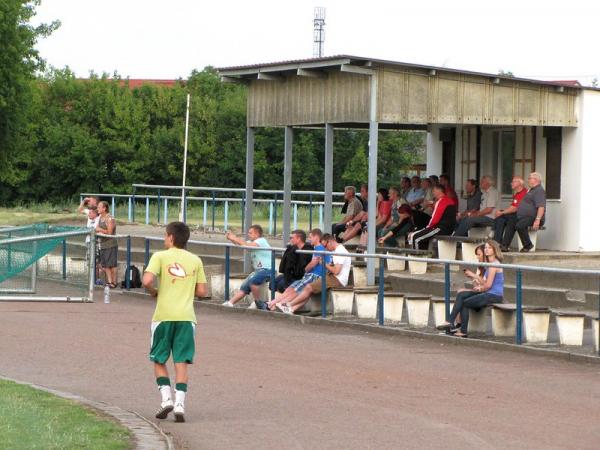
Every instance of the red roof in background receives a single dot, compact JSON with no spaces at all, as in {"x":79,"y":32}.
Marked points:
{"x":573,"y":83}
{"x":138,"y":82}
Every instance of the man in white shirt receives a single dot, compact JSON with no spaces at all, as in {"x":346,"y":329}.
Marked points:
{"x":338,"y":272}
{"x":487,"y":211}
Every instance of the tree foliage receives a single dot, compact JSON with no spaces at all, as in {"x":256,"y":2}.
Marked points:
{"x":61,"y":135}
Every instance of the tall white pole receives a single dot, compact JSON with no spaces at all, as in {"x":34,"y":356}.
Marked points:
{"x":185,"y":150}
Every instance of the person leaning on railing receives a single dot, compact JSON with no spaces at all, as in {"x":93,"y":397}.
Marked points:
{"x":491,"y":291}
{"x":261,"y":263}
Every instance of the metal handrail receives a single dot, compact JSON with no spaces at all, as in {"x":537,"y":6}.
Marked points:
{"x":217,"y":189}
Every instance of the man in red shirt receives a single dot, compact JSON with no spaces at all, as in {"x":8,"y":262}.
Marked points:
{"x":443,"y":220}
{"x":506,"y":219}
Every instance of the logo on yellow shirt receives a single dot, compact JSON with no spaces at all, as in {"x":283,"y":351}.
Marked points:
{"x":176,"y":270}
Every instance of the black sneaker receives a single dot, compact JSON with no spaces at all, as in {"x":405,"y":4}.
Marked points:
{"x":526,"y":249}
{"x":261,"y":305}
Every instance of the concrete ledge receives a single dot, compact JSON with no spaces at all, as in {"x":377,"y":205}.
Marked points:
{"x":387,"y":331}
{"x":146,"y":435}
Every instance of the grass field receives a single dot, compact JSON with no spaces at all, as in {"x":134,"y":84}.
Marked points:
{"x":33,"y":419}
{"x":44,"y":212}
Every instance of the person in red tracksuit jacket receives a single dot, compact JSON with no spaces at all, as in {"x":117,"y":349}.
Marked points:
{"x":443,"y":220}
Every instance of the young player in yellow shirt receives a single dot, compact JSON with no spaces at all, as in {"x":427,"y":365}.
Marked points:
{"x":180,"y":277}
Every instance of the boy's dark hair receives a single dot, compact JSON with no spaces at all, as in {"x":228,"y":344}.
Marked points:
{"x":301,"y":234}
{"x":180,"y":233}
{"x":317,"y":232}
{"x":440,"y":187}
{"x":257,"y":228}
{"x":327,"y":237}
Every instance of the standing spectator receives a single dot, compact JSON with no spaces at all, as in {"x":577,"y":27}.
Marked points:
{"x":487,"y":210}
{"x":442,"y":221}
{"x":86,"y":204}
{"x":450,"y":192}
{"x":531,"y":211}
{"x":491,"y":291}
{"x":261,"y":263}
{"x":506,"y":219}
{"x":109,"y":247}
{"x":338,"y":272}
{"x":405,"y":225}
{"x":314,"y":269}
{"x":353,"y":210}
{"x":415,"y":194}
{"x":473,"y":196}
{"x":292,"y":263}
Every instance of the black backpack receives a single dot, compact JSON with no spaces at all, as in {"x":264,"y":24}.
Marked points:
{"x":135,"y":279}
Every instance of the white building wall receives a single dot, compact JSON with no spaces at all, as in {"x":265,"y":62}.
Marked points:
{"x":586,"y":179}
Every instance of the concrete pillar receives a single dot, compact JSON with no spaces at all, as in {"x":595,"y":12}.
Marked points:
{"x":372,"y":213}
{"x":328,"y":187}
{"x":287,"y":182}
{"x":249,"y":208}
{"x":434,"y":150}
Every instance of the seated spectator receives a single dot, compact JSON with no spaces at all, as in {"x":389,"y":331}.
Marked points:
{"x":405,"y":186}
{"x":404,"y":226}
{"x":393,"y":219}
{"x":353,"y":210}
{"x":491,"y":291}
{"x":313,"y":272}
{"x":450,"y":192}
{"x":531,"y":212}
{"x":338,"y":272}
{"x":356,"y":225}
{"x":384,"y":206}
{"x":476,"y":277}
{"x":442,"y":221}
{"x":292,"y":263}
{"x":427,"y":203}
{"x":473,"y":196}
{"x":415,"y":194}
{"x":261,"y":263}
{"x":506,"y":219}
{"x":434,"y":179}
{"x":487,"y":210}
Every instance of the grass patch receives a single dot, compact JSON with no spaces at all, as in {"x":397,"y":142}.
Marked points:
{"x":34,"y":419}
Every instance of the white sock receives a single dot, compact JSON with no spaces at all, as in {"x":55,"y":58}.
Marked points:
{"x":165,"y":393}
{"x":179,"y":397}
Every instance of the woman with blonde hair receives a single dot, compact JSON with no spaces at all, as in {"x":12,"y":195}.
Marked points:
{"x":490,"y":291}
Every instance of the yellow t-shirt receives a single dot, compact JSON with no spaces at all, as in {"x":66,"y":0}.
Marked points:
{"x":178,"y":271}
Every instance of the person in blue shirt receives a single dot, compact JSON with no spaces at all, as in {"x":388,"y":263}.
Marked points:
{"x":312,"y":272}
{"x":482,"y":295}
{"x":261,"y":263}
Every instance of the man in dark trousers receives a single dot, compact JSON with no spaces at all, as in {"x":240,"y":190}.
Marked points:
{"x":292,"y":263}
{"x":531,"y":211}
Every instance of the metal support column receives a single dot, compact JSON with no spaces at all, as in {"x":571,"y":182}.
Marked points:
{"x":287,"y":182}
{"x":328,"y":187}
{"x":373,"y":138}
{"x":249,"y":189}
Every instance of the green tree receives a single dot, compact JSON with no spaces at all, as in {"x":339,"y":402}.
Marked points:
{"x":357,"y":170}
{"x":19,"y":61}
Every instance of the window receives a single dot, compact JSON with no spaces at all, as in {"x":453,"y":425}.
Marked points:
{"x":516,"y":150}
{"x":469,"y":160}
{"x":553,"y":161}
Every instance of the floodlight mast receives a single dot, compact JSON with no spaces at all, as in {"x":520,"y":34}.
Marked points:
{"x":318,"y":32}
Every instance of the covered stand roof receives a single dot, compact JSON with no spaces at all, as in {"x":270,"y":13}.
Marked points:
{"x":336,"y":90}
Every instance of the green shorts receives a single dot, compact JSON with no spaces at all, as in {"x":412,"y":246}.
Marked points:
{"x":176,"y":337}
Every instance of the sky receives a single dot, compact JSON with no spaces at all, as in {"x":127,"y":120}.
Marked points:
{"x":168,"y":39}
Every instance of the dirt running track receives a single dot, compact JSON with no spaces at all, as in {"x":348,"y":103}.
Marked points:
{"x":274,"y":384}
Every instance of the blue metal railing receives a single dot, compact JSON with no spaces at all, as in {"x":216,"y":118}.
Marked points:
{"x":210,"y":206}
{"x":519,"y":269}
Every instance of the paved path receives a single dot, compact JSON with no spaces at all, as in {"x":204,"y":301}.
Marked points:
{"x":261,"y":383}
